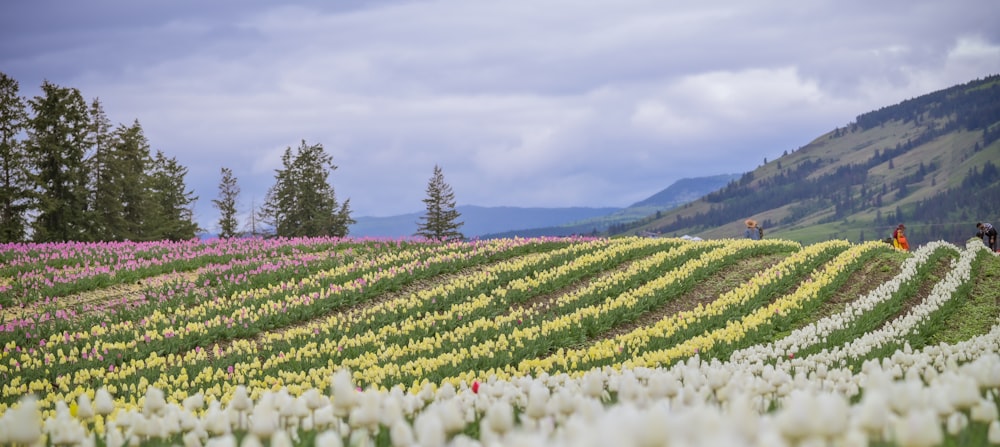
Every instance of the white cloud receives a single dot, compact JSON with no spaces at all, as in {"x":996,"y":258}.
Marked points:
{"x":553,"y":103}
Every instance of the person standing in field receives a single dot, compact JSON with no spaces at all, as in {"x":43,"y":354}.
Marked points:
{"x":989,"y":235}
{"x":899,"y":238}
{"x":753,"y":231}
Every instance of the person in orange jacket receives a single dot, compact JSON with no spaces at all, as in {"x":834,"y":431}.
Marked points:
{"x":899,"y":238}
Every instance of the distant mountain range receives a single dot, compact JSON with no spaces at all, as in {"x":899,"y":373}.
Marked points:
{"x":477,"y":220}
{"x":509,"y":221}
{"x":929,"y":162}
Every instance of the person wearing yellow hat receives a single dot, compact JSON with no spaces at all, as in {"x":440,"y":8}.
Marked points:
{"x":753,"y":231}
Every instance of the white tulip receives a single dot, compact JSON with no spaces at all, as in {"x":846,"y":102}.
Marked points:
{"x":103,"y":403}
{"x":450,"y":415}
{"x":919,"y":428}
{"x":329,"y":438}
{"x":241,"y":400}
{"x":216,"y":422}
{"x":833,"y":415}
{"x":251,"y":440}
{"x":854,"y":438}
{"x":653,"y":429}
{"x":360,"y":438}
{"x":956,"y":423}
{"x":24,"y":424}
{"x":264,"y":421}
{"x":223,"y":441}
{"x":345,"y":396}
{"x":112,"y":436}
{"x":281,"y":439}
{"x":401,"y":434}
{"x":446,"y":391}
{"x":194,"y":403}
{"x":538,"y":398}
{"x":84,"y":410}
{"x":366,"y":413}
{"x":984,"y":411}
{"x":429,"y":430}
{"x":593,"y":385}
{"x":500,"y":417}
{"x":154,"y":401}
{"x":964,"y":392}
{"x":191,"y":439}
{"x":993,"y":435}
{"x":797,"y":419}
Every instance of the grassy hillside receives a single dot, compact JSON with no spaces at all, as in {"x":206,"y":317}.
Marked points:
{"x":929,"y":162}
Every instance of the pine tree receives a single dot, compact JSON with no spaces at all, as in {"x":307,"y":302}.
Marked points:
{"x":106,"y":211}
{"x":440,"y":222}
{"x":172,"y":215}
{"x":130,"y":171}
{"x":302,"y":203}
{"x":14,"y":187}
{"x":229,"y":192}
{"x":57,"y":140}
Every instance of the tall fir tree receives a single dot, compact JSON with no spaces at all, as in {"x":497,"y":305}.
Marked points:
{"x":134,"y":172}
{"x":172,"y":204}
{"x":107,"y":219}
{"x":440,"y":222}
{"x":229,"y":192}
{"x":57,"y":144}
{"x":14,"y":187}
{"x":302,"y":202}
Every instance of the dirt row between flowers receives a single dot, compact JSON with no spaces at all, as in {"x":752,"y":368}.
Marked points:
{"x":860,"y":282}
{"x":118,"y":292}
{"x":937,"y":273}
{"x":125,"y":292}
{"x":543,"y":300}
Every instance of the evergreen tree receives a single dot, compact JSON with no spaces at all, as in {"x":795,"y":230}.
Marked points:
{"x":172,"y":216}
{"x":441,"y":220}
{"x":14,"y":186}
{"x":132,"y":173}
{"x":106,"y":216}
{"x":57,"y":142}
{"x":302,"y":202}
{"x":229,"y":192}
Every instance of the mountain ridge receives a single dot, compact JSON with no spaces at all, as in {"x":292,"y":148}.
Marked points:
{"x":929,"y":162}
{"x":511,"y":221}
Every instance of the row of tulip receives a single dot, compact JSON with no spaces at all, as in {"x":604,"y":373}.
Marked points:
{"x":133,"y":350}
{"x":895,"y":332}
{"x":82,"y":267}
{"x":461,"y":324}
{"x":857,"y":316}
{"x":690,"y":403}
{"x":503,"y":352}
{"x":192,"y":365}
{"x":938,"y":394}
{"x":195,"y":375}
{"x":46,"y":316}
{"x":789,"y":306}
{"x":676,"y":328}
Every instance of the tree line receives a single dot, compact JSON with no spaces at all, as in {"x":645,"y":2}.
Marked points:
{"x":68,"y":174}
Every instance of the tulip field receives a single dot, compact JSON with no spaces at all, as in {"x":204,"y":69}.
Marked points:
{"x":530,"y":342}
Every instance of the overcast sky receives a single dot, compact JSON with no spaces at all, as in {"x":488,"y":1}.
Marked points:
{"x":521,"y":102}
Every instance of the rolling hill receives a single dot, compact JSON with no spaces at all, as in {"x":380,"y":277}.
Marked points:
{"x":929,"y":162}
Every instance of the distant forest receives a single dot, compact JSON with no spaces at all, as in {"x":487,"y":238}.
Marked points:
{"x":974,"y":106}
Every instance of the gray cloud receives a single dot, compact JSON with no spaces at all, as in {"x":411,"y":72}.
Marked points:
{"x":553,"y":103}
